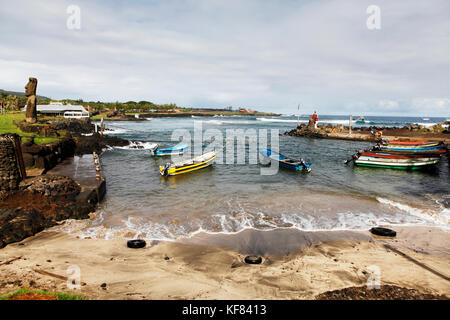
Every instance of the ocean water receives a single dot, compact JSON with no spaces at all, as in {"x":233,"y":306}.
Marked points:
{"x":228,"y":198}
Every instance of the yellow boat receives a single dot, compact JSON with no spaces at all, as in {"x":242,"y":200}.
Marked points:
{"x":197,"y":163}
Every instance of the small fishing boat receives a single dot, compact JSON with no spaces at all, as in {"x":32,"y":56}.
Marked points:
{"x":369,"y":159}
{"x":197,"y":163}
{"x":424,"y":148}
{"x":360,"y":120}
{"x":388,"y":157}
{"x":177,"y":150}
{"x":283,"y":161}
{"x":419,"y":150}
{"x":409,"y":143}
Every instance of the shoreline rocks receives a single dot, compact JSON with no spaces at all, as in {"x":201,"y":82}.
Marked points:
{"x":41,"y":203}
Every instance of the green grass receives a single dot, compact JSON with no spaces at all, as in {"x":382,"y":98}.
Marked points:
{"x":45,"y":140}
{"x":59,"y":295}
{"x":7,"y":125}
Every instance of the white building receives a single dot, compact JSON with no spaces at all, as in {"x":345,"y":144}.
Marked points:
{"x":67,"y":111}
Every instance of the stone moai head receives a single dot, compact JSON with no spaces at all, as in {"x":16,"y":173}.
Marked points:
{"x":30,"y":88}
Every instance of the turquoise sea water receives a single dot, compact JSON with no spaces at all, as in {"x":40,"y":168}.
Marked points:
{"x":228,"y":198}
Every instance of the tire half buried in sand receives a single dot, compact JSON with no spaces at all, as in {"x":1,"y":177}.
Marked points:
{"x":136,"y":244}
{"x":384,"y":232}
{"x":253,"y":259}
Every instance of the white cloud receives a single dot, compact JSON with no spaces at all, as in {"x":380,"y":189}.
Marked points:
{"x":270,"y":55}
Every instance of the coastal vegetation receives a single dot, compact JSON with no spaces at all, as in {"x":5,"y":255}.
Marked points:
{"x":27,"y":294}
{"x":10,"y":123}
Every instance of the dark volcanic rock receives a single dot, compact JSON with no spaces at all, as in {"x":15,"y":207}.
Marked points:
{"x":386,"y":292}
{"x":55,"y":186}
{"x":46,"y":156}
{"x":23,"y":214}
{"x":96,"y":142}
{"x":17,"y":224}
{"x":74,"y":126}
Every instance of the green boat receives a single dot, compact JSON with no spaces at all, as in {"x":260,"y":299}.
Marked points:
{"x":403,"y":165}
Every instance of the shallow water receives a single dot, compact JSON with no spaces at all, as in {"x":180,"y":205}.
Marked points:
{"x":227,"y":198}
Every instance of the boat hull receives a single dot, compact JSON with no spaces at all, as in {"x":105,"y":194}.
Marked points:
{"x":404,"y":165}
{"x":386,"y":157}
{"x":188,"y":166}
{"x":411,"y":143}
{"x":177,"y":150}
{"x":435,"y":149}
{"x":284,"y":161}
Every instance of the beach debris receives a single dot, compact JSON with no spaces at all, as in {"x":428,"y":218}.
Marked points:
{"x":103,"y":286}
{"x":10,"y":261}
{"x":54,"y":275}
{"x":136,"y":243}
{"x":253,"y":259}
{"x":166,"y":258}
{"x":420,"y":264}
{"x":384,"y":232}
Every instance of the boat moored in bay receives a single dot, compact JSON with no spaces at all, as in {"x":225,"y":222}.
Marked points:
{"x":197,"y":163}
{"x":176,"y":150}
{"x":283,"y":161}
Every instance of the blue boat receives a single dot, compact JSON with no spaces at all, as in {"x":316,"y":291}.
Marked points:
{"x":168,"y":151}
{"x":285,"y":162}
{"x":437,"y":149}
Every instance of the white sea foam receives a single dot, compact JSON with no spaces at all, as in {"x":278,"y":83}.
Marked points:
{"x":280,"y":120}
{"x":219,"y":122}
{"x":239,"y":219}
{"x":116,"y":130}
{"x":426,"y":124}
{"x":440,"y":218}
{"x":138,"y":145}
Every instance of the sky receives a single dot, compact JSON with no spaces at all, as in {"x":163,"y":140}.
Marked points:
{"x":268,"y":55}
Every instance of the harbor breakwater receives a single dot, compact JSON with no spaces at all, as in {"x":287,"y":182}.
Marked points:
{"x":342,"y":132}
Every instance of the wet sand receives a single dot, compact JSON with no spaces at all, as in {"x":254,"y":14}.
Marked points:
{"x":296,"y":264}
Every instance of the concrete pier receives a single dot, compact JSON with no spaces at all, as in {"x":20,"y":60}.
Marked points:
{"x":82,"y":169}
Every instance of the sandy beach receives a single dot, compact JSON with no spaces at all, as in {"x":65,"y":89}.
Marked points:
{"x":296,"y":264}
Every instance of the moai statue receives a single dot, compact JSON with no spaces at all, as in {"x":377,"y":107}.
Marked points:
{"x":30,"y":92}
{"x":16,"y":103}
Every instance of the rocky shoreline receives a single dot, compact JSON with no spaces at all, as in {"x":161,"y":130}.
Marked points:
{"x":369,"y":133}
{"x":40,"y":204}
{"x":43,"y":199}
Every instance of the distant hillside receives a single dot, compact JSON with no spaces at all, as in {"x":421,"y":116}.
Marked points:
{"x":20,"y":94}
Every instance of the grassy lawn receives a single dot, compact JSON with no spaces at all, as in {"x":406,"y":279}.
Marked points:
{"x":57,"y":295}
{"x":7,"y":126}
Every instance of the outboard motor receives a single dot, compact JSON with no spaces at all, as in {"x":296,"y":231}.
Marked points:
{"x":154,"y":149}
{"x":166,"y":168}
{"x":305,"y":165}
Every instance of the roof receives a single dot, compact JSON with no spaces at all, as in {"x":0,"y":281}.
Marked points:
{"x":53,"y":108}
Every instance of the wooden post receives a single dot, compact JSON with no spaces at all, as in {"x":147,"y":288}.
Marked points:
{"x":101,"y":127}
{"x":350,"y":125}
{"x":298,"y":118}
{"x":19,"y":155}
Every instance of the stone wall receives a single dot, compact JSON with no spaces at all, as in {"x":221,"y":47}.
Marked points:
{"x":47,"y":156}
{"x":9,"y":169}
